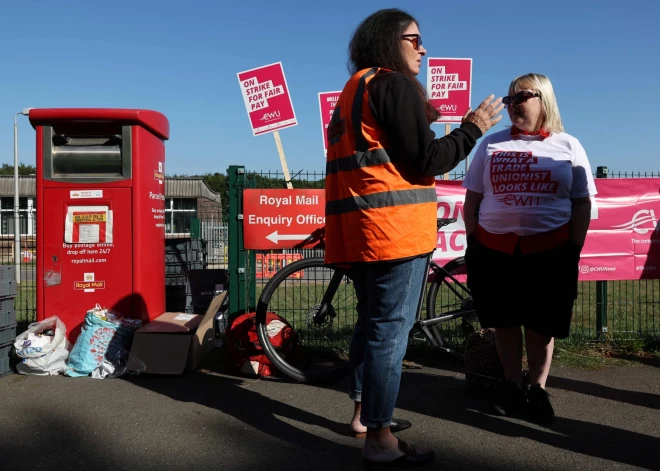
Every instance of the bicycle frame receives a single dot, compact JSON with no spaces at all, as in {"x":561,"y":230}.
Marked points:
{"x":424,"y":324}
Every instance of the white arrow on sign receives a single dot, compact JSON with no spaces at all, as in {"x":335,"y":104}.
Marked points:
{"x":275,"y":237}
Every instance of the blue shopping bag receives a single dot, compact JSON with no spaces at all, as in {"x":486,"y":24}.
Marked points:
{"x":98,"y":341}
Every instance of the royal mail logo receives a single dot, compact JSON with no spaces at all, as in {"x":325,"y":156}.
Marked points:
{"x":89,"y":276}
{"x":75,"y":194}
{"x":160,"y":176}
{"x":642,"y":222}
{"x":89,"y":285}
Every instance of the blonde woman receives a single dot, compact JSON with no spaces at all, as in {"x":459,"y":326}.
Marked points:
{"x":527,"y":211}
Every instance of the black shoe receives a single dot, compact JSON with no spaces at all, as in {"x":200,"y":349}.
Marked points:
{"x":413,"y":458}
{"x":539,"y":408}
{"x":510,"y":400}
{"x":397,"y":425}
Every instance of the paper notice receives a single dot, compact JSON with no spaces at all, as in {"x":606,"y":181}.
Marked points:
{"x":88,"y":225}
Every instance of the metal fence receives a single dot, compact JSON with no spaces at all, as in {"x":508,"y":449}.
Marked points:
{"x":217,"y":235}
{"x":198,"y":226}
{"x":619,"y":309}
{"x":25,"y":301}
{"x":614,"y":309}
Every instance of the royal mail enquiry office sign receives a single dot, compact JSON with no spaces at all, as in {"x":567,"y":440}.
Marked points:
{"x":267,"y":99}
{"x":282,"y":219}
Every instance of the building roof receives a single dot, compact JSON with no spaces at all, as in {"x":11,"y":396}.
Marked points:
{"x":26,"y":186}
{"x":189,"y":187}
{"x":179,"y":187}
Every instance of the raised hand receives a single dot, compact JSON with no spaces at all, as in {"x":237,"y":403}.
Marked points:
{"x":486,"y":115}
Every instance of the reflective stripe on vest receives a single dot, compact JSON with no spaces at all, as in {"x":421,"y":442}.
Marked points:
{"x":372,"y":211}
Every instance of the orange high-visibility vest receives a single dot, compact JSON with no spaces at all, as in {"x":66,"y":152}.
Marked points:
{"x":373,"y":212}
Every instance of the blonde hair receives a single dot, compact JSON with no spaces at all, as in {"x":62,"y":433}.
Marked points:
{"x":541,"y":84}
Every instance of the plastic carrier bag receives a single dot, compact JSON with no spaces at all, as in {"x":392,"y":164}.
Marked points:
{"x":105,"y":337}
{"x":43,"y":347}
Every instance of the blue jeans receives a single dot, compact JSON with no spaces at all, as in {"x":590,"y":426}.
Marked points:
{"x":388,"y":295}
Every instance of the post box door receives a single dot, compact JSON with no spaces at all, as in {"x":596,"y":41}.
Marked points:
{"x":87,"y":253}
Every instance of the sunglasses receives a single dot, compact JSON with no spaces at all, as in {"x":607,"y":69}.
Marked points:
{"x":520,"y":97}
{"x":415,"y":39}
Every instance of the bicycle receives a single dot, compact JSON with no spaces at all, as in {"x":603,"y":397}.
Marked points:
{"x":312,"y":327}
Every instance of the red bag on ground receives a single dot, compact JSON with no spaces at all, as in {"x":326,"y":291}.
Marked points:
{"x":244,"y":347}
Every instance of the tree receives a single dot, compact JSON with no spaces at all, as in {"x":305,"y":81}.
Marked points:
{"x":23,"y":169}
{"x":219,"y":183}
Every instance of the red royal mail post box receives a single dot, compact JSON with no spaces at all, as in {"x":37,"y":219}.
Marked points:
{"x":100,"y":213}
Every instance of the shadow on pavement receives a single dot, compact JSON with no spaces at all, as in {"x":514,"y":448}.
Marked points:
{"x":230,"y":396}
{"x":636,"y":398}
{"x":51,"y":441}
{"x":447,"y":399}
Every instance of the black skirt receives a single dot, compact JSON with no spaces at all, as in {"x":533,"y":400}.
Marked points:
{"x":536,"y":290}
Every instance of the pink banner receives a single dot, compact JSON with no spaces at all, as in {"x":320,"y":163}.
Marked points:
{"x":623,"y":242}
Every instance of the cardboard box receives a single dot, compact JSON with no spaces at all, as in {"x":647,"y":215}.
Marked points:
{"x":174,"y":341}
{"x":203,"y":340}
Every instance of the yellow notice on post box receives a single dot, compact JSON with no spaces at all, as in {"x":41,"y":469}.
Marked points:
{"x":88,"y":218}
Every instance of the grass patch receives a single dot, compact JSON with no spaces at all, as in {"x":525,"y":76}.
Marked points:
{"x":585,"y":354}
{"x":576,"y":353}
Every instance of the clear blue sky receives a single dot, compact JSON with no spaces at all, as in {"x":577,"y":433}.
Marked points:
{"x":181,"y":58}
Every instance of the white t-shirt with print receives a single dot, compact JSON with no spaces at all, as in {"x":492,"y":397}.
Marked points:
{"x":528,"y":182}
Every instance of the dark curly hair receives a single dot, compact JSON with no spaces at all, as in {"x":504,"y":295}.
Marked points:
{"x":376,"y":42}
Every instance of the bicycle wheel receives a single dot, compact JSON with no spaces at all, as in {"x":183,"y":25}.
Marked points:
{"x":320,"y":305}
{"x":450,"y":300}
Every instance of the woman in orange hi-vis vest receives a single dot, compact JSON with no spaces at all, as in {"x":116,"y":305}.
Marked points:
{"x":381,"y":211}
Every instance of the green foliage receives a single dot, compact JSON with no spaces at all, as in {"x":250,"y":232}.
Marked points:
{"x":219,"y":183}
{"x":23,"y":169}
{"x":304,"y":181}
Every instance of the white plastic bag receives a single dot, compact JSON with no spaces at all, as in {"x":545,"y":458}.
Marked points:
{"x":43,"y":355}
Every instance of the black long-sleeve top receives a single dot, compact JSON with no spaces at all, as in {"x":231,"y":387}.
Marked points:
{"x":397,"y":105}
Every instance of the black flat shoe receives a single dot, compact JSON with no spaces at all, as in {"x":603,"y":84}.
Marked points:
{"x":413,"y":458}
{"x":397,"y":425}
{"x":510,"y":400}
{"x":539,"y":409}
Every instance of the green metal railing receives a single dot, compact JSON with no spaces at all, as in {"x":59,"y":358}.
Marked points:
{"x":243,"y":263}
{"x":627,"y":309}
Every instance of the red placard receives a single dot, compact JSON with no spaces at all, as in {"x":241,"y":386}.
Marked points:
{"x":327,"y":102}
{"x":449,"y":86}
{"x":282,"y":219}
{"x":267,"y":98}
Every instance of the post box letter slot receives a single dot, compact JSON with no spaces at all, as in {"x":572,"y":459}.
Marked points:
{"x":89,"y":153}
